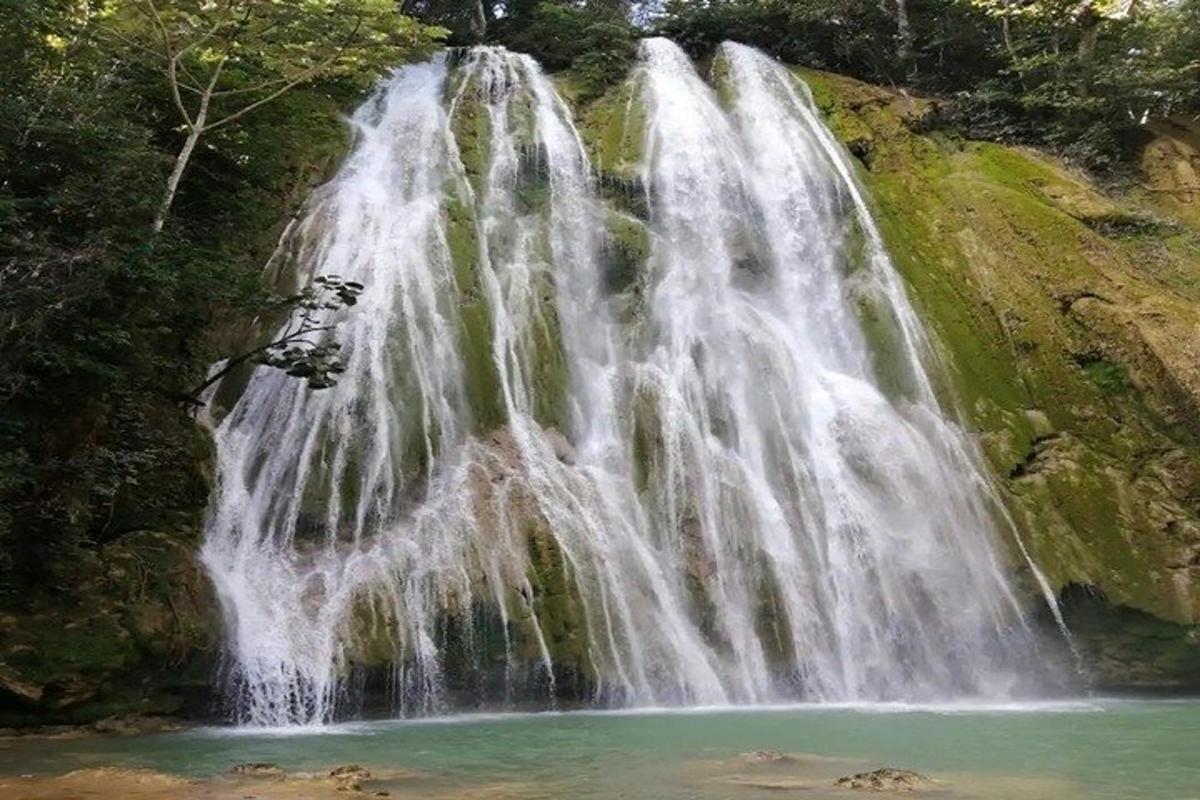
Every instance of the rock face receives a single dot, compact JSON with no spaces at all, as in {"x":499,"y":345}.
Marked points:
{"x":884,"y":780}
{"x":1069,"y":326}
{"x":1170,"y":161}
{"x":136,"y":637}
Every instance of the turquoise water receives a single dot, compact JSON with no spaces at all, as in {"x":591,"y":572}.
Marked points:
{"x":1119,"y":749}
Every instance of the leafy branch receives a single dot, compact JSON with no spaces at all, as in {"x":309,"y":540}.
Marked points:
{"x":299,"y":350}
{"x":223,"y":59}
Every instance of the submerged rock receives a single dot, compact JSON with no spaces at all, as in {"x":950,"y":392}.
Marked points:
{"x":349,"y":777}
{"x":766,"y":757}
{"x":887,"y":779}
{"x":349,"y":771}
{"x":257,"y":769}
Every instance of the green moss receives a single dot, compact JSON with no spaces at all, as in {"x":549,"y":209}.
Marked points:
{"x":1109,"y":377}
{"x":463,"y":244}
{"x":471,"y":125}
{"x":877,"y":320}
{"x":559,"y":608}
{"x":475,"y":321}
{"x":626,"y":251}
{"x":997,"y":246}
{"x":550,"y":375}
{"x":718,"y":77}
{"x":533,"y":197}
{"x":984,"y":375}
{"x":483,"y":379}
{"x":614,"y":128}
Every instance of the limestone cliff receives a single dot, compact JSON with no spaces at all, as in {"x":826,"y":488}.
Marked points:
{"x":1068,"y":322}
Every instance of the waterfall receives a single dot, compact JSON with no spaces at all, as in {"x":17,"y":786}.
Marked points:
{"x":728,"y":481}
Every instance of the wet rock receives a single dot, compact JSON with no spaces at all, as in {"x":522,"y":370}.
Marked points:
{"x":48,"y":732}
{"x":349,"y":777}
{"x":133,"y":725}
{"x":887,"y":779}
{"x":765,"y":757}
{"x":344,"y":770}
{"x":860,"y":147}
{"x":11,"y":682}
{"x":564,"y":451}
{"x":72,"y":691}
{"x":257,"y":769}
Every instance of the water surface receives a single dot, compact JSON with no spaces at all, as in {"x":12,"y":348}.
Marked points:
{"x":1094,"y":749}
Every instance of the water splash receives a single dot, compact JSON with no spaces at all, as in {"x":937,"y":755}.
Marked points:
{"x":731,"y":484}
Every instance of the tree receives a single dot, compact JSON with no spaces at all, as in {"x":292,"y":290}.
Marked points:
{"x":468,"y":21}
{"x":102,"y":320}
{"x":904,"y":34}
{"x":222,"y":59}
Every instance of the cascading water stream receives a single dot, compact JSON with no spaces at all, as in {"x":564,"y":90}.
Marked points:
{"x":740,"y":490}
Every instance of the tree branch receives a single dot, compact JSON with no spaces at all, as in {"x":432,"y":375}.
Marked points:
{"x":173,"y":80}
{"x":301,"y":78}
{"x":193,"y":396}
{"x":304,"y":76}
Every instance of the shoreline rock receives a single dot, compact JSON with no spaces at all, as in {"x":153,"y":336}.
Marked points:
{"x":885,"y":779}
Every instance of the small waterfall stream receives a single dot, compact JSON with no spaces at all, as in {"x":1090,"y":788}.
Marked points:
{"x":727,"y":482}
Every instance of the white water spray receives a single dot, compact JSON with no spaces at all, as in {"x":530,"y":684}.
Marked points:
{"x":743,"y":492}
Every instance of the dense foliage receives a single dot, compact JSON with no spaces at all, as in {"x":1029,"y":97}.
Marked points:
{"x":1077,"y":75}
{"x":597,"y":39}
{"x":105,"y":322}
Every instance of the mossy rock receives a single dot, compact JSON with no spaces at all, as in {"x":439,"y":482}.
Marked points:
{"x":625,"y":253}
{"x":1123,"y":649}
{"x":550,"y":373}
{"x":560,"y":614}
{"x":139,"y":636}
{"x":475,"y":321}
{"x":613,"y":128}
{"x":471,"y":125}
{"x":1067,"y":342}
{"x":484,"y":391}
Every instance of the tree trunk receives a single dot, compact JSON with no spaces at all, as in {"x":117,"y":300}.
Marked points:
{"x":181,"y":162}
{"x":195,"y":128}
{"x":479,"y":22}
{"x":1086,"y":54}
{"x":904,"y":35}
{"x":1010,"y":48}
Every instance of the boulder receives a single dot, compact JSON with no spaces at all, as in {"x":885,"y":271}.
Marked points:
{"x":257,"y":769}
{"x":887,"y":779}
